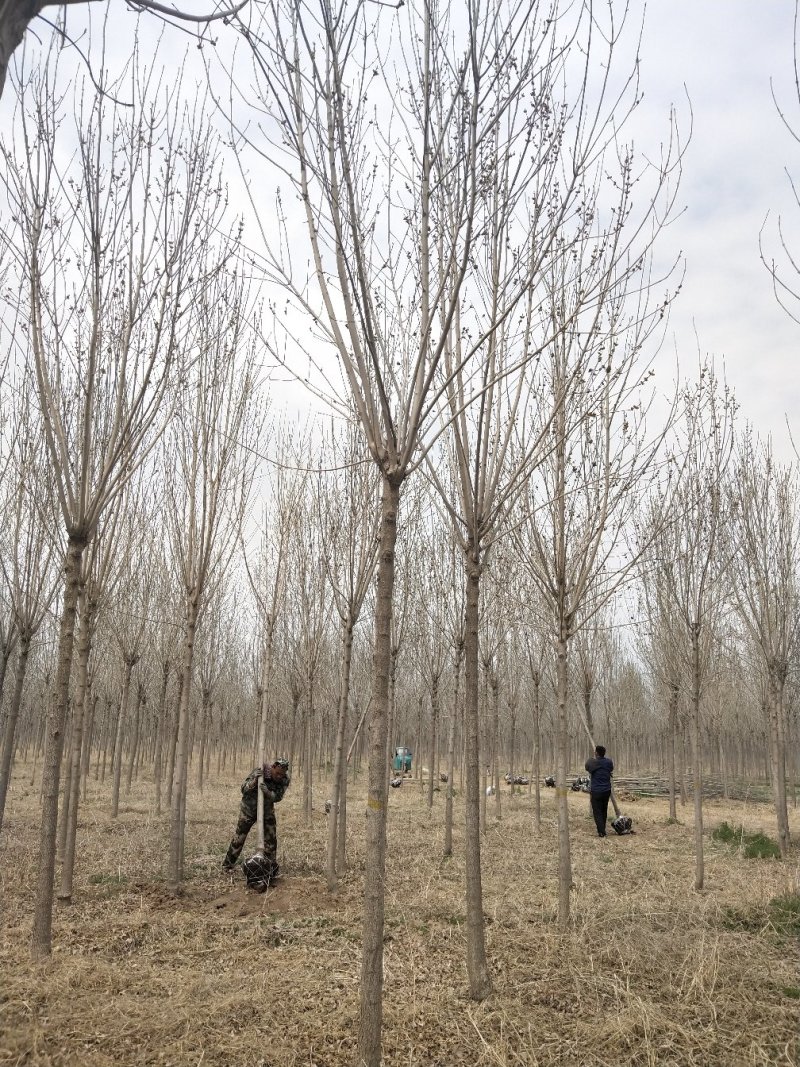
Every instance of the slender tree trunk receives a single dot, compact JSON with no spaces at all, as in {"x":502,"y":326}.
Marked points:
{"x":562,"y":790}
{"x":178,"y":798}
{"x":61,"y":839}
{"x":778,"y":760}
{"x":451,"y":759}
{"x":494,"y":684}
{"x":338,"y":755}
{"x":173,"y":740}
{"x":41,"y":941}
{"x":672,"y":737}
{"x":480,"y":985}
{"x":371,"y":998}
{"x":140,"y":703}
{"x":161,"y":725}
{"x":537,"y":757}
{"x":76,"y":749}
{"x":11,"y":720}
{"x":88,"y":735}
{"x":434,"y":730}
{"x":201,"y":761}
{"x":697,"y":755}
{"x":117,"y":751}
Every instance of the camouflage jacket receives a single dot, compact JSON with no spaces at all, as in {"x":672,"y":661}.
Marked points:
{"x":273,"y":788}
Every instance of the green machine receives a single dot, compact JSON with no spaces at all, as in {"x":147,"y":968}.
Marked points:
{"x":401,"y":764}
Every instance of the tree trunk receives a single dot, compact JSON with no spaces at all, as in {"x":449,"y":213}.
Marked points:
{"x":41,"y":941}
{"x":117,"y":751}
{"x":11,"y":720}
{"x":140,"y":703}
{"x":161,"y":725}
{"x":697,"y":755}
{"x":778,"y":761}
{"x":562,"y":790}
{"x":371,"y":999}
{"x":88,"y":735}
{"x":480,"y":985}
{"x":434,"y":730}
{"x":178,"y":798}
{"x":494,"y":683}
{"x":76,"y":749}
{"x":537,"y":757}
{"x":672,"y":737}
{"x":451,"y":759}
{"x":338,"y":756}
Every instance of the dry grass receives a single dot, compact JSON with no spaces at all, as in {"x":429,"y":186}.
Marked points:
{"x":650,"y":973}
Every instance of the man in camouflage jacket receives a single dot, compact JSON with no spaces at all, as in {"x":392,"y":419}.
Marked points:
{"x":274,"y":781}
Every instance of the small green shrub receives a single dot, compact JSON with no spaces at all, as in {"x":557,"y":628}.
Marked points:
{"x":725,"y":832}
{"x":785,"y":913}
{"x":760,"y":847}
{"x":108,"y":879}
{"x":755,"y":846}
{"x":791,"y":991}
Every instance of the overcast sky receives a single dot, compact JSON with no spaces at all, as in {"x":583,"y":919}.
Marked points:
{"x":721,"y":55}
{"x":735,"y":176}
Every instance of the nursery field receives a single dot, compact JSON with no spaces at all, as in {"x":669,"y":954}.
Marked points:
{"x":650,"y":972}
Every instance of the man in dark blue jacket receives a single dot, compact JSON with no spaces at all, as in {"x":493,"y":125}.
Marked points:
{"x":600,"y":770}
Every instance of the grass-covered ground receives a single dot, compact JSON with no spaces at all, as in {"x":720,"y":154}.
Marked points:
{"x":650,"y":971}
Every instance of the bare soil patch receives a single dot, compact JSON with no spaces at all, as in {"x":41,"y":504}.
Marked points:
{"x":650,"y":972}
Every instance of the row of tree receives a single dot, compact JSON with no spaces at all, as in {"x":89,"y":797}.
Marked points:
{"x":460,"y":263}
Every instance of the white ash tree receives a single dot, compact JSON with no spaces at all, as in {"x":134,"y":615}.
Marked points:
{"x":691,"y":553}
{"x":600,"y":456}
{"x":27,"y":562}
{"x":267,"y":577}
{"x":764,"y":538}
{"x":109,"y":207}
{"x":392,"y":213}
{"x":207,"y":466}
{"x":103,"y":566}
{"x":348,"y":515}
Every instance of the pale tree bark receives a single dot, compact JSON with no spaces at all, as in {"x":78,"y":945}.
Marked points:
{"x":127,"y":309}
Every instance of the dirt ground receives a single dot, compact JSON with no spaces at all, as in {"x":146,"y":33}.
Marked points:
{"x":650,"y":972}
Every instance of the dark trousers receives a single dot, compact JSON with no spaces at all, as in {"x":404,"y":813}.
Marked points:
{"x":600,"y":811}
{"x":248,"y":813}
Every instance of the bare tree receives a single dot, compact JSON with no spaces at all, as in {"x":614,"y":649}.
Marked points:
{"x":348,"y":519}
{"x":99,"y":574}
{"x":208,"y":469}
{"x":392,"y":212}
{"x":691,"y":554}
{"x":766,"y":535}
{"x":29,"y":574}
{"x":106,"y":269}
{"x":571,"y":533}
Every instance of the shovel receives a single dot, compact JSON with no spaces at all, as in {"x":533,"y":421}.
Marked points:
{"x":258,"y":869}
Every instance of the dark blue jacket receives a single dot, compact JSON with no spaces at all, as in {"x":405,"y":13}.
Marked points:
{"x":601,"y":770}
